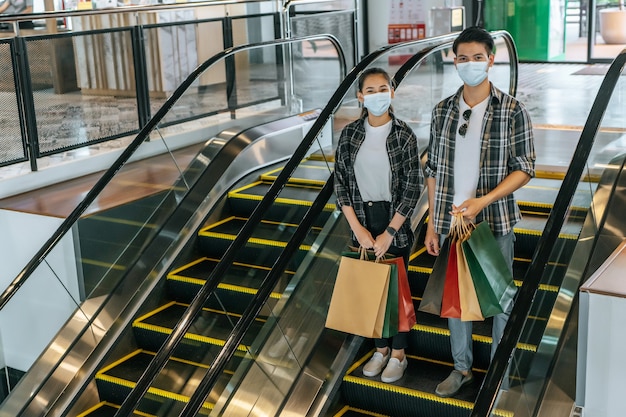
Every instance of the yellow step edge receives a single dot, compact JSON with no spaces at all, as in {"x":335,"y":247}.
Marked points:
{"x":226,"y":287}
{"x":532,"y":232}
{"x":253,"y":240}
{"x":154,"y":391}
{"x":122,"y":221}
{"x":106,"y":403}
{"x":475,"y":337}
{"x":411,"y":392}
{"x":107,"y":265}
{"x":189,"y":336}
{"x":347,"y":408}
{"x":178,"y":270}
{"x":286,"y":201}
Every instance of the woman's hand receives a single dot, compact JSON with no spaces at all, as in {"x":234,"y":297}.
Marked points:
{"x":364,"y":237}
{"x":382,"y":244}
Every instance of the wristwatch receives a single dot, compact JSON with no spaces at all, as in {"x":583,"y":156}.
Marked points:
{"x":391,"y":231}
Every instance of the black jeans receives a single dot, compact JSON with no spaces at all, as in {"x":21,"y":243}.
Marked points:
{"x":377,"y":219}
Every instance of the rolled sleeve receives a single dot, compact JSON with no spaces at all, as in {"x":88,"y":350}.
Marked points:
{"x":522,"y":143}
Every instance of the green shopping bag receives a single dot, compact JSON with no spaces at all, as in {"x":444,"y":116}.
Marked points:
{"x":390,"y":327}
{"x":492,"y":278}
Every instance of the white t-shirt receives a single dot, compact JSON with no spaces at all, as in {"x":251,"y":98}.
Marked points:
{"x":467,"y":152}
{"x":371,"y":165}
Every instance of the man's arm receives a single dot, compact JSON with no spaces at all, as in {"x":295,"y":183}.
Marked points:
{"x":470,"y":208}
{"x":432,"y":238}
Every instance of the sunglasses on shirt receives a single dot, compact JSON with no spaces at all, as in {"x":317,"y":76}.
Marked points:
{"x":463,"y":129}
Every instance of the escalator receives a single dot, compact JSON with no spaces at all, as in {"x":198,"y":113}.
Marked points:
{"x":118,"y":366}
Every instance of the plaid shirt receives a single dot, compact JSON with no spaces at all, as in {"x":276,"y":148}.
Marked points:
{"x":507,"y":146}
{"x":406,"y":174}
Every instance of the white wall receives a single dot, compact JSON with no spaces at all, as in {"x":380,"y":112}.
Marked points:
{"x":42,"y":305}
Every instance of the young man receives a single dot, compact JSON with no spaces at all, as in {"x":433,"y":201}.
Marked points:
{"x":480,"y":151}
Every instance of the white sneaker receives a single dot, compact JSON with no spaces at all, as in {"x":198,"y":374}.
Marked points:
{"x":394,"y":370}
{"x":376,"y":364}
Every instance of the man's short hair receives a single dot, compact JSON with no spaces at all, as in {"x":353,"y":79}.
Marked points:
{"x":474,"y":34}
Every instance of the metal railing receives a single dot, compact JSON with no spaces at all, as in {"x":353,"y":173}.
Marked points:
{"x":80,"y":86}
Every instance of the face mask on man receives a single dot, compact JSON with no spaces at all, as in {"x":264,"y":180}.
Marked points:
{"x":377,"y":103}
{"x":473,"y":72}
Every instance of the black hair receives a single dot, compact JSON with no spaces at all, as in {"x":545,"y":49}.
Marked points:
{"x":373,"y":71}
{"x":474,"y":34}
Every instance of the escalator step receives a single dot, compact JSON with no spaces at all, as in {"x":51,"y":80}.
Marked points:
{"x":413,"y":394}
{"x":105,"y":409}
{"x":263,"y":248}
{"x":355,"y":412}
{"x":172,"y":388}
{"x":310,"y":172}
{"x":204,"y":339}
{"x":293,"y":202}
{"x":235,"y":291}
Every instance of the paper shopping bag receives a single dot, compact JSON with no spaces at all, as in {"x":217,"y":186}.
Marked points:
{"x":359,"y":298}
{"x":450,"y":301}
{"x":390,"y":326}
{"x":406,"y":310}
{"x":470,"y":307}
{"x":488,"y":266}
{"x":433,"y":292}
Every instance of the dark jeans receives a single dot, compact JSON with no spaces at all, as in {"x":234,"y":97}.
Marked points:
{"x":377,"y":219}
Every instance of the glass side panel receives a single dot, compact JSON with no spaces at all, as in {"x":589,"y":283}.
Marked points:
{"x":86,"y":273}
{"x":567,"y":268}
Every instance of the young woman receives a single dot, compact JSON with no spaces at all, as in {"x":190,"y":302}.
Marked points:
{"x":378,"y":180}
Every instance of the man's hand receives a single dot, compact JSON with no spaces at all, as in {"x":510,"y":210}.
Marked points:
{"x":432,"y":240}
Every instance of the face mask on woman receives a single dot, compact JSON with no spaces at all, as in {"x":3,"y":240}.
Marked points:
{"x":377,"y":103}
{"x":473,"y":72}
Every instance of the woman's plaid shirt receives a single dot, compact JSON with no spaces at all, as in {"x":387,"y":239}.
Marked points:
{"x":406,"y":174}
{"x":507,"y":146}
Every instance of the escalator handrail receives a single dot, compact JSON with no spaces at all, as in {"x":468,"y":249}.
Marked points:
{"x":180,"y":329}
{"x":413,"y":61}
{"x":104,"y":180}
{"x":237,"y":334}
{"x":486,"y":398}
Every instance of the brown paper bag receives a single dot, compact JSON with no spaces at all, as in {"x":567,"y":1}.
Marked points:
{"x":359,"y":299}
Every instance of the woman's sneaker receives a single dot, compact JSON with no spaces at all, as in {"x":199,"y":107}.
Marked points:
{"x":394,"y":370}
{"x":376,"y":364}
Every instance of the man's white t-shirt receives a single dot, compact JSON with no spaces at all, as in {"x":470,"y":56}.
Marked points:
{"x":467,"y":152}
{"x":371,"y":165}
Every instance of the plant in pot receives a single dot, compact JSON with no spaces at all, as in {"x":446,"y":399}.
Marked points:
{"x":613,"y":23}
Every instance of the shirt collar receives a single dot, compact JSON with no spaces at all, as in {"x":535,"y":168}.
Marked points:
{"x":496,"y":95}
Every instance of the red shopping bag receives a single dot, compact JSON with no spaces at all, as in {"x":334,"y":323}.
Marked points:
{"x":451,"y":302}
{"x":406,"y":310}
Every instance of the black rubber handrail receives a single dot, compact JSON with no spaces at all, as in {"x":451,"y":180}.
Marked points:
{"x":487,"y":395}
{"x":180,"y":329}
{"x":141,"y":137}
{"x":237,"y":334}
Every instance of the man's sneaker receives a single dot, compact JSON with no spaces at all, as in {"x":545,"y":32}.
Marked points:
{"x":453,"y":383}
{"x":375,"y":365}
{"x":394,"y":370}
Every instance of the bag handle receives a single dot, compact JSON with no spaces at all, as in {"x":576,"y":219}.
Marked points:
{"x":460,"y":229}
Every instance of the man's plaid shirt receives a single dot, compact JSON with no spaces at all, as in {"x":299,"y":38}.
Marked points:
{"x":406,"y":174}
{"x":507,"y":146}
